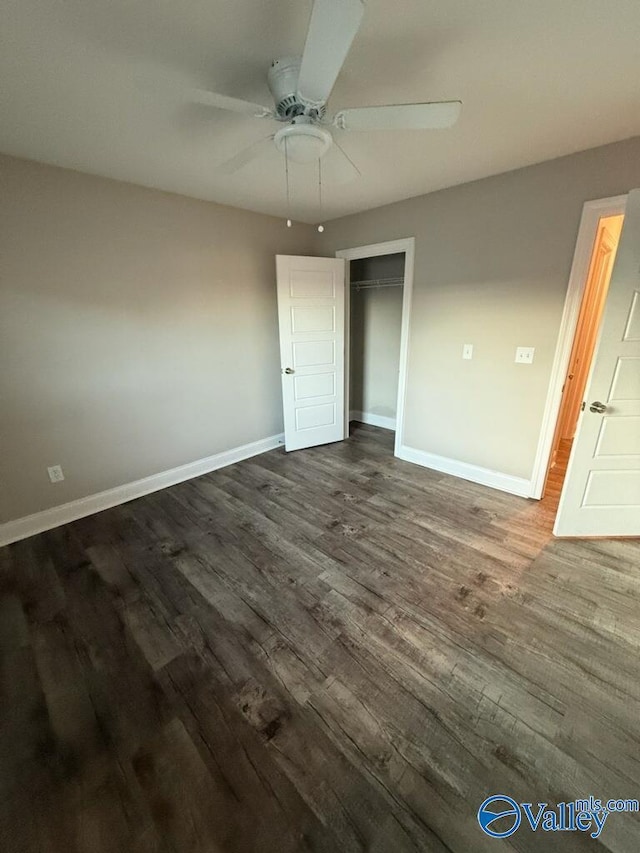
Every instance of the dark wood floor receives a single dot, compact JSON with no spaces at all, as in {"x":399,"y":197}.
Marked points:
{"x":330,"y":650}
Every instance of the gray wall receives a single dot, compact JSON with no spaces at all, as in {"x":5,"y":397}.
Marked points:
{"x":492,"y":267}
{"x":376,"y":319}
{"x":138,"y":331}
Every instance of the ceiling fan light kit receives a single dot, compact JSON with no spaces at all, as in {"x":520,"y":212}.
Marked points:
{"x":305,"y":142}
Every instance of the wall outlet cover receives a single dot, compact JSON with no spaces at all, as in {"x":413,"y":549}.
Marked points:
{"x":55,"y":474}
{"x":467,"y":351}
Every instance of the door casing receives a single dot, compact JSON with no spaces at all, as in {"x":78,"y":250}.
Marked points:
{"x":391,"y":247}
{"x":592,"y":212}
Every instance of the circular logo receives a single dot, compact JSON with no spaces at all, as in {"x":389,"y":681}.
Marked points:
{"x":500,"y":808}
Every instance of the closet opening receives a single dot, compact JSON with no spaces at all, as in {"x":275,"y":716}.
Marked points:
{"x":379,"y":279}
{"x":375,"y":327}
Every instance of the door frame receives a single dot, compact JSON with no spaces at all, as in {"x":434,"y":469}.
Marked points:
{"x":390,"y":247}
{"x":592,"y":213}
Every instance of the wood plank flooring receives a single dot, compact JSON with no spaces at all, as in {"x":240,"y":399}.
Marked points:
{"x":557,"y":473}
{"x":331,"y":650}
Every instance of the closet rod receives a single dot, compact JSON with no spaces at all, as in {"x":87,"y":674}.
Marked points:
{"x":377,"y":282}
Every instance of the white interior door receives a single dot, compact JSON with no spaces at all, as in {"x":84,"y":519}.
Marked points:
{"x":311,"y":317}
{"x":601,"y":494}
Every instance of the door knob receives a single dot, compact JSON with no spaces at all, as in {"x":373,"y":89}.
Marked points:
{"x":289,"y":370}
{"x":598,"y":408}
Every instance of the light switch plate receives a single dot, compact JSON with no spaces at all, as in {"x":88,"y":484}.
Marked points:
{"x":467,"y":351}
{"x":524,"y":355}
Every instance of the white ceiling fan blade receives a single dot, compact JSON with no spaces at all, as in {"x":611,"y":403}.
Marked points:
{"x":434,"y":116}
{"x":251,"y":152}
{"x":224,"y":102}
{"x":332,"y":29}
{"x":164,"y":87}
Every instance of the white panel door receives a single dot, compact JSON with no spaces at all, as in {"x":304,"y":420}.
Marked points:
{"x":311,"y":318}
{"x":601,"y":494}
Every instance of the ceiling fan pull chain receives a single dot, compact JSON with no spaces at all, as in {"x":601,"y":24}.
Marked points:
{"x":286,"y":173}
{"x":320,"y":227}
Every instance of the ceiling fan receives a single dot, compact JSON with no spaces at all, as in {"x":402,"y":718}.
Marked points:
{"x":301,"y":87}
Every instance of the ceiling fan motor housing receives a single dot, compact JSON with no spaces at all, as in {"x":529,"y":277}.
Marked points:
{"x":283,"y":83}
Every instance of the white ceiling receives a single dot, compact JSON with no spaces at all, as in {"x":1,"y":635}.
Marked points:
{"x":537,"y":79}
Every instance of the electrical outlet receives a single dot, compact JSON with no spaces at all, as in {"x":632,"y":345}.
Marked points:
{"x":524,"y":355}
{"x":467,"y":351}
{"x":55,"y":474}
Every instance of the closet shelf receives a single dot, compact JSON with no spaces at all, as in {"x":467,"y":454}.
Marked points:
{"x":377,"y":282}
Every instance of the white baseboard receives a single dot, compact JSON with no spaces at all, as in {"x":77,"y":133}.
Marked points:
{"x":373,"y":420}
{"x":21,"y":528}
{"x":474,"y":473}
